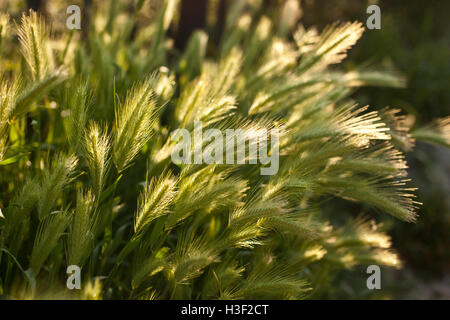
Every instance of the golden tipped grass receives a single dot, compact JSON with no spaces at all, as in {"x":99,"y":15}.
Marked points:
{"x":331,"y":47}
{"x":155,"y":201}
{"x":33,"y":36}
{"x":7,"y":105}
{"x":77,"y":104}
{"x":4,"y":28}
{"x":19,"y":214}
{"x":50,"y":229}
{"x":96,"y":147}
{"x":82,"y":230}
{"x":437,"y":132}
